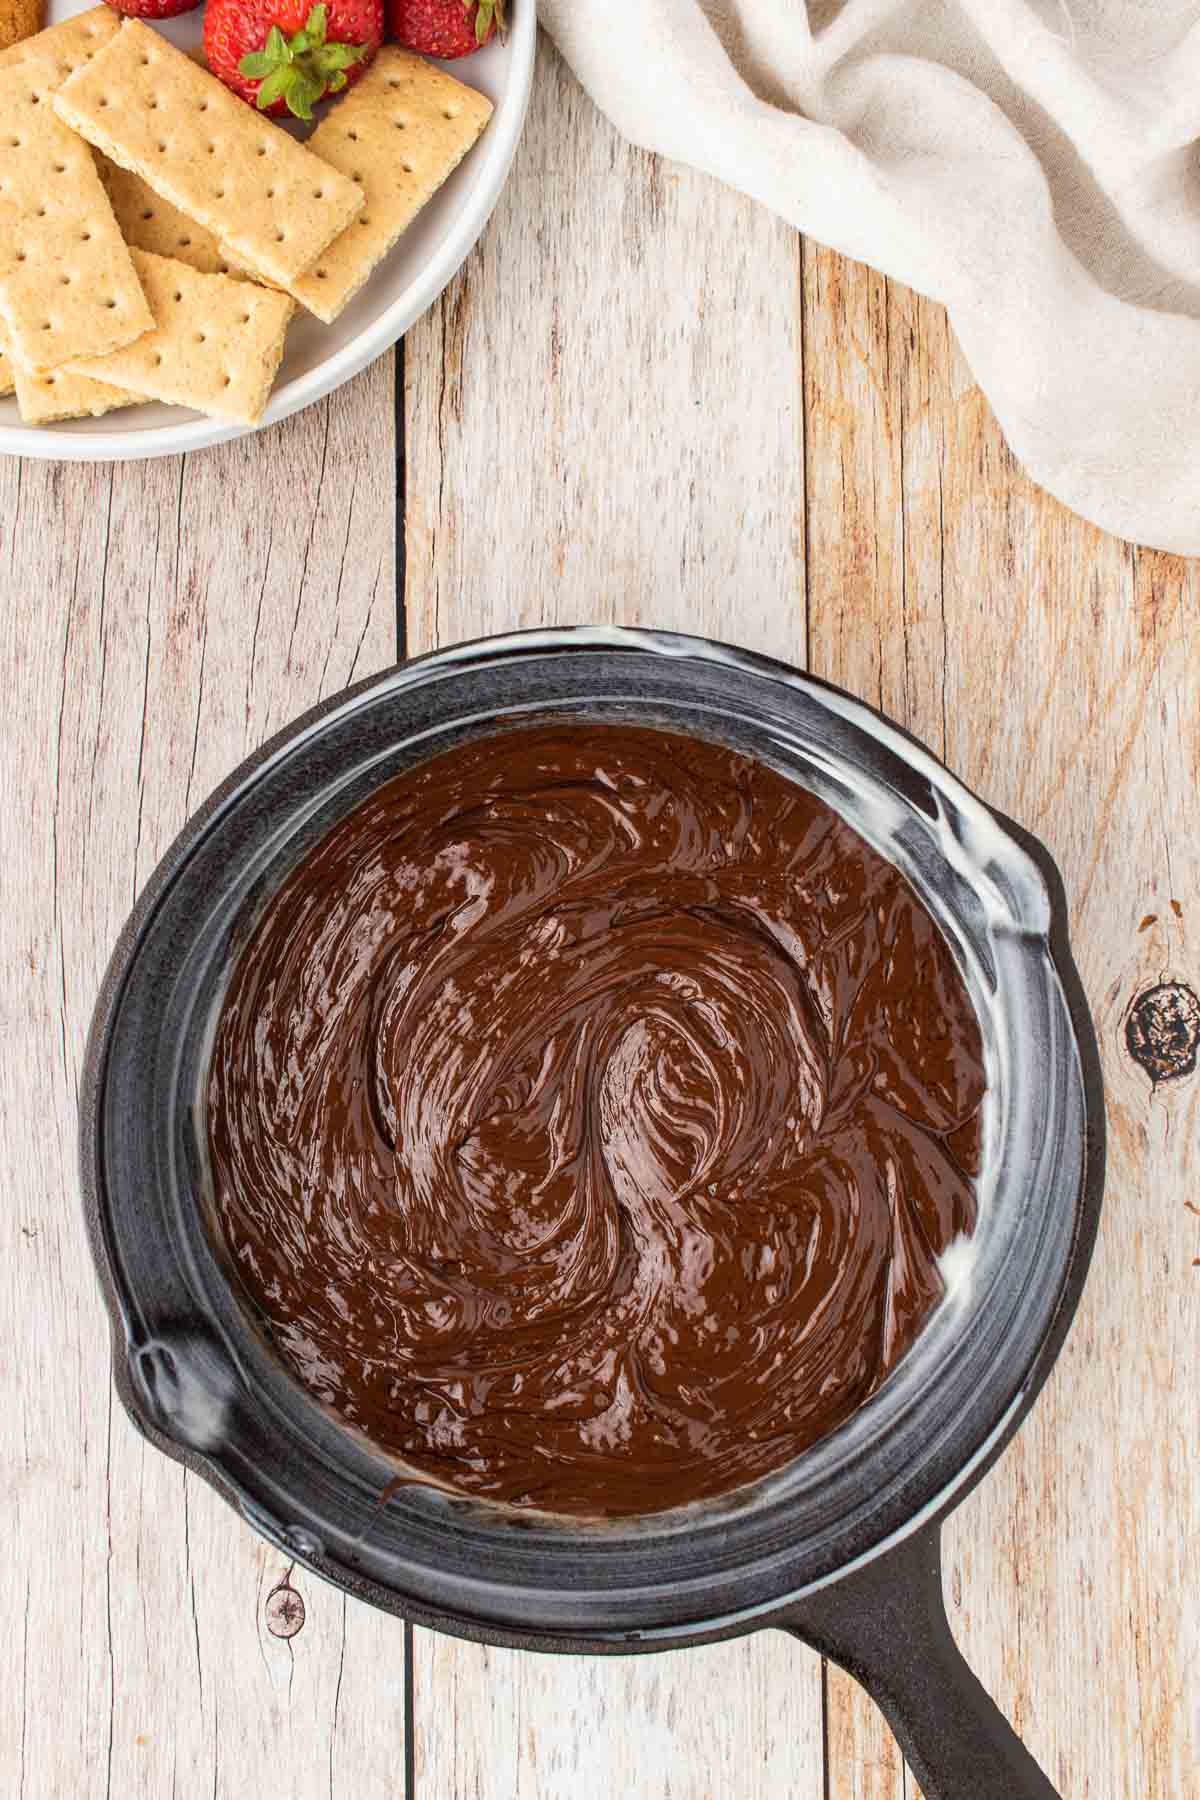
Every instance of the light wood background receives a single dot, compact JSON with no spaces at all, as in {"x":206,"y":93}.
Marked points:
{"x":644,"y":400}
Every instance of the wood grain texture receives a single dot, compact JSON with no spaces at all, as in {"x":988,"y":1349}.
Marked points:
{"x":642,"y":401}
{"x":603,"y":422}
{"x":158,"y":620}
{"x":603,"y":411}
{"x":1059,"y":672}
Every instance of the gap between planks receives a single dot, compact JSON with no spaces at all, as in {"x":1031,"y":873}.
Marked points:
{"x":579,"y":448}
{"x":160,"y":620}
{"x":1054,"y":668}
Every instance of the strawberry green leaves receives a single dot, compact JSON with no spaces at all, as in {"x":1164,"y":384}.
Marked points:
{"x":302,"y":69}
{"x":487,"y":13}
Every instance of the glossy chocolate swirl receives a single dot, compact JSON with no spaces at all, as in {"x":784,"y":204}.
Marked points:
{"x":588,"y":1113}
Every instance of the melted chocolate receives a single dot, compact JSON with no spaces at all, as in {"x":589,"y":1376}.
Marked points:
{"x":588,"y":1112}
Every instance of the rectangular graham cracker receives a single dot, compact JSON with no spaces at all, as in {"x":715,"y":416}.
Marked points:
{"x":67,"y":284}
{"x":215,"y":346}
{"x":151,"y":109}
{"x":398,"y":133}
{"x":61,"y":49}
{"x":149,"y":222}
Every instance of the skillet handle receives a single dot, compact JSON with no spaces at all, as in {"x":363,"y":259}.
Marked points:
{"x":886,"y":1625}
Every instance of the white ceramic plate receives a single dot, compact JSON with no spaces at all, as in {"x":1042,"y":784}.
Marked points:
{"x":318,"y":358}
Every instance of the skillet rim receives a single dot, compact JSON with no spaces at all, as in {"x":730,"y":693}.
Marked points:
{"x":754,"y":1607}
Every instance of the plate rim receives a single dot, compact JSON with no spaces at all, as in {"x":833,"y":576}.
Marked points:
{"x":52,"y":443}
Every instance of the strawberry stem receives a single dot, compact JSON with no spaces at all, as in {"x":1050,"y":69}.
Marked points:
{"x":302,"y":69}
{"x":487,"y":14}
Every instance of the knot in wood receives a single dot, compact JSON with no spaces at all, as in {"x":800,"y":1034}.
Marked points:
{"x":1162,"y":1032}
{"x":284,"y":1612}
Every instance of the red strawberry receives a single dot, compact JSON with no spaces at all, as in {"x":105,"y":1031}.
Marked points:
{"x":282,"y":57}
{"x":445,"y":28}
{"x":153,"y":9}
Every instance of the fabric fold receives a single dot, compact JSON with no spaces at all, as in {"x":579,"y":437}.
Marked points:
{"x":1030,"y":163}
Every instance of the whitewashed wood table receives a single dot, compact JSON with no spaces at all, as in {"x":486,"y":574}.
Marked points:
{"x":642,"y":400}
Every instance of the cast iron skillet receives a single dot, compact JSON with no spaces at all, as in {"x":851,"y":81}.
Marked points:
{"x":841,"y":1547}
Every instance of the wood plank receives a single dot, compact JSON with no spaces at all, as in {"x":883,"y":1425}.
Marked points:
{"x":603,"y":415}
{"x":158,"y":620}
{"x":1059,"y":670}
{"x":603,"y":422}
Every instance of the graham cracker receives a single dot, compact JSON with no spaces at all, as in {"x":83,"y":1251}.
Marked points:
{"x":61,"y":49}
{"x":149,"y":222}
{"x":67,"y":285}
{"x":398,"y":133}
{"x":58,"y":394}
{"x":215,"y":346}
{"x":151,"y":109}
{"x":19,"y":19}
{"x":55,"y":395}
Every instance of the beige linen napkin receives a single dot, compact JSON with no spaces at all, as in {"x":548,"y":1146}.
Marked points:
{"x":1032,"y":163}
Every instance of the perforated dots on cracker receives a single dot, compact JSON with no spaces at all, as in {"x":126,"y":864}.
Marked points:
{"x":149,"y":108}
{"x":67,"y":284}
{"x":57,"y":52}
{"x":151,"y":223}
{"x":216,"y":343}
{"x":57,"y":394}
{"x":401,"y":131}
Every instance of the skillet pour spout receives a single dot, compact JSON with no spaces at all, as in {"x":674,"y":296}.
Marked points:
{"x":840,"y":1547}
